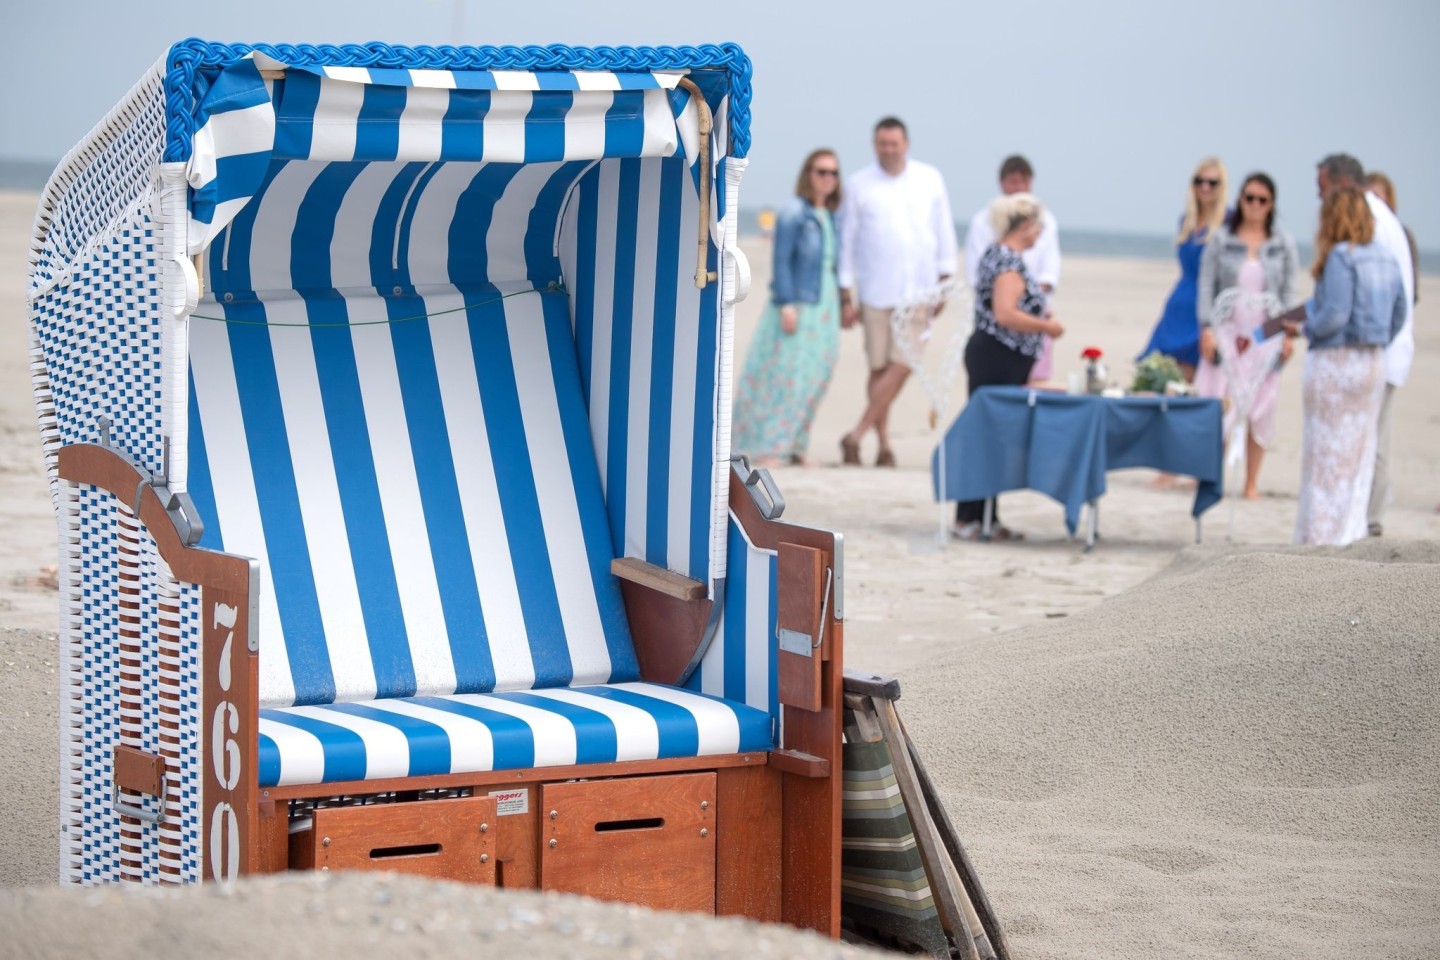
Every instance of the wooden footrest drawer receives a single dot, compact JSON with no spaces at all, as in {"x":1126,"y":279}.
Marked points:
{"x":645,"y":840}
{"x":446,"y":839}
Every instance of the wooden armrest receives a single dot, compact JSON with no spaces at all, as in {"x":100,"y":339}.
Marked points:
{"x":799,"y":764}
{"x":668,"y":613}
{"x":107,"y":468}
{"x":648,"y":575}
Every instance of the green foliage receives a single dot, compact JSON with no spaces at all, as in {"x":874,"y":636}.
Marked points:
{"x":1154,"y":371}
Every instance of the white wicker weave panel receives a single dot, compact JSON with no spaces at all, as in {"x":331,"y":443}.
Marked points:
{"x":131,"y":676}
{"x":72,"y":683}
{"x":99,"y":334}
{"x":93,"y":828}
{"x":100,"y":184}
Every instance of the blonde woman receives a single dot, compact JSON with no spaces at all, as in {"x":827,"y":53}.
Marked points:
{"x":1012,"y":320}
{"x":1358,"y":308}
{"x":1178,"y":333}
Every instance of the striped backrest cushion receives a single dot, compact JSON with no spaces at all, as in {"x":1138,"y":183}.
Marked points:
{"x":417,"y":479}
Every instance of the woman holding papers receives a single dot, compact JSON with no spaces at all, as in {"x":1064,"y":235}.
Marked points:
{"x":1247,"y":271}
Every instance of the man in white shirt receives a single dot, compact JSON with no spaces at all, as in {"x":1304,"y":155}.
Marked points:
{"x":1341,"y":169}
{"x":1042,"y":260}
{"x":897,"y":241}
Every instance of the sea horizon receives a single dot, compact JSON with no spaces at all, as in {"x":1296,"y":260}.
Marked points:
{"x":32,"y":175}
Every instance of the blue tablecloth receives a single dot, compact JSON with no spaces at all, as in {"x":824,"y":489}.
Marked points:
{"x":1014,"y":438}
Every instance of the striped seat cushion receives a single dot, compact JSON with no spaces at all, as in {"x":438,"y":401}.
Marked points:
{"x":472,"y":733}
{"x":415,"y":475}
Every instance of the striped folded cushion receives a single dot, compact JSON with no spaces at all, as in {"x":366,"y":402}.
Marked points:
{"x":472,"y":733}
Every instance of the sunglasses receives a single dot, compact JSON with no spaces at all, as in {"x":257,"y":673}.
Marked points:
{"x":1206,"y":182}
{"x":1256,"y":199}
{"x":823,"y":172}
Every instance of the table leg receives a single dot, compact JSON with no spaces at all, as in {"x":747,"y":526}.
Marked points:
{"x":1092,"y":530}
{"x":1198,"y":521}
{"x":988,"y":523}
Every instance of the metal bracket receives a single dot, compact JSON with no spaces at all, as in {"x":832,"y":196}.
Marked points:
{"x":712,"y":627}
{"x":178,"y":505}
{"x":138,"y":813}
{"x":186,"y":518}
{"x":772,"y":504}
{"x":801,"y":644}
{"x":793,"y":641}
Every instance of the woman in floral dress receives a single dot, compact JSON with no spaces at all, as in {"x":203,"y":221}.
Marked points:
{"x":797,"y":342}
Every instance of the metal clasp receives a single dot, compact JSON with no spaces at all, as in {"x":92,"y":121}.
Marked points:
{"x":137,"y":812}
{"x":800,"y":644}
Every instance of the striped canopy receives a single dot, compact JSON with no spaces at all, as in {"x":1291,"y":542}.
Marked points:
{"x":325,"y":195}
{"x":259,"y":110}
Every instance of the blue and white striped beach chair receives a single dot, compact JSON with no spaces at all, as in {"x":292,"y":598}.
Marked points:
{"x":385,"y":393}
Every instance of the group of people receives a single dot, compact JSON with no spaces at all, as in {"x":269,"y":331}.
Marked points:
{"x":889,"y":245}
{"x":1238,"y":267}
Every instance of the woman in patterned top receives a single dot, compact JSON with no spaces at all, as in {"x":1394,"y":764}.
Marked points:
{"x":1011,"y":321}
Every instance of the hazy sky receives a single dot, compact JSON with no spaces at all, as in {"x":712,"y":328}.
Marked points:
{"x":1113,"y":101}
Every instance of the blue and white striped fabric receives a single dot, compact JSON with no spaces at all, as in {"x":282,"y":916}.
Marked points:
{"x":435,"y":478}
{"x":740,"y":664}
{"x":647,"y":338}
{"x":421,"y":494}
{"x":648,"y":343}
{"x":428,"y":736}
{"x":245,"y":120}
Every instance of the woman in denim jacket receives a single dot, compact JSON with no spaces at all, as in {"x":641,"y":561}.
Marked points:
{"x":1251,"y":255}
{"x":798,"y":339}
{"x":1358,"y":308}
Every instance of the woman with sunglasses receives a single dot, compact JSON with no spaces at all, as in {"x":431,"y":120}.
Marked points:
{"x":1177,"y":334}
{"x":797,"y":342}
{"x":1258,"y":260}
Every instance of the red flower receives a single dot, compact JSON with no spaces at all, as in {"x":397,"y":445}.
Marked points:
{"x":1091,"y":353}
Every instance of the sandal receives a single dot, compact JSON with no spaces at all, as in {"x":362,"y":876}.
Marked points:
{"x":849,"y":451}
{"x":1005,"y":533}
{"x":885,"y":458}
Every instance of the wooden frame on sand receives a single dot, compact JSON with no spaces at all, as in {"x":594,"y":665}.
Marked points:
{"x":774,"y":828}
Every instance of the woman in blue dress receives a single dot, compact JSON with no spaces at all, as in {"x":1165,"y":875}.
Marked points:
{"x":1177,"y":334}
{"x":797,"y":341}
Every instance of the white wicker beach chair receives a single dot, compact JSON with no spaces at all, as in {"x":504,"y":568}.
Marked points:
{"x":385,"y":394}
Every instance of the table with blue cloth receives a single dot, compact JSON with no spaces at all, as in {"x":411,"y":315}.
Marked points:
{"x":1061,"y":445}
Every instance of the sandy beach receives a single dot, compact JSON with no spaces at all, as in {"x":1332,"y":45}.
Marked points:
{"x":1154,"y":749}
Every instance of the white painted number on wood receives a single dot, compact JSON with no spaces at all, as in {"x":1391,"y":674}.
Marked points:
{"x":225,"y":756}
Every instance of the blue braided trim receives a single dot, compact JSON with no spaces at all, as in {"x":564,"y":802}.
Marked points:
{"x":189,"y":56}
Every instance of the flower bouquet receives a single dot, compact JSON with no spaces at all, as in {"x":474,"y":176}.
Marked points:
{"x":1155,"y":372}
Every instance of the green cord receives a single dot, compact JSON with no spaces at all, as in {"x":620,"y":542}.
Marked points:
{"x":554,"y":288}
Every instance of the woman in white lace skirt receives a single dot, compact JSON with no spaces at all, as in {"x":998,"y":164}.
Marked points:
{"x":1358,"y":308}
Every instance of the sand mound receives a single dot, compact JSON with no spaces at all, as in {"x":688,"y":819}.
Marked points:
{"x":374,"y":915}
{"x":1237,"y":757}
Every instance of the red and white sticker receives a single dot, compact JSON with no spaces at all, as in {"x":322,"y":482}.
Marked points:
{"x":508,"y":803}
